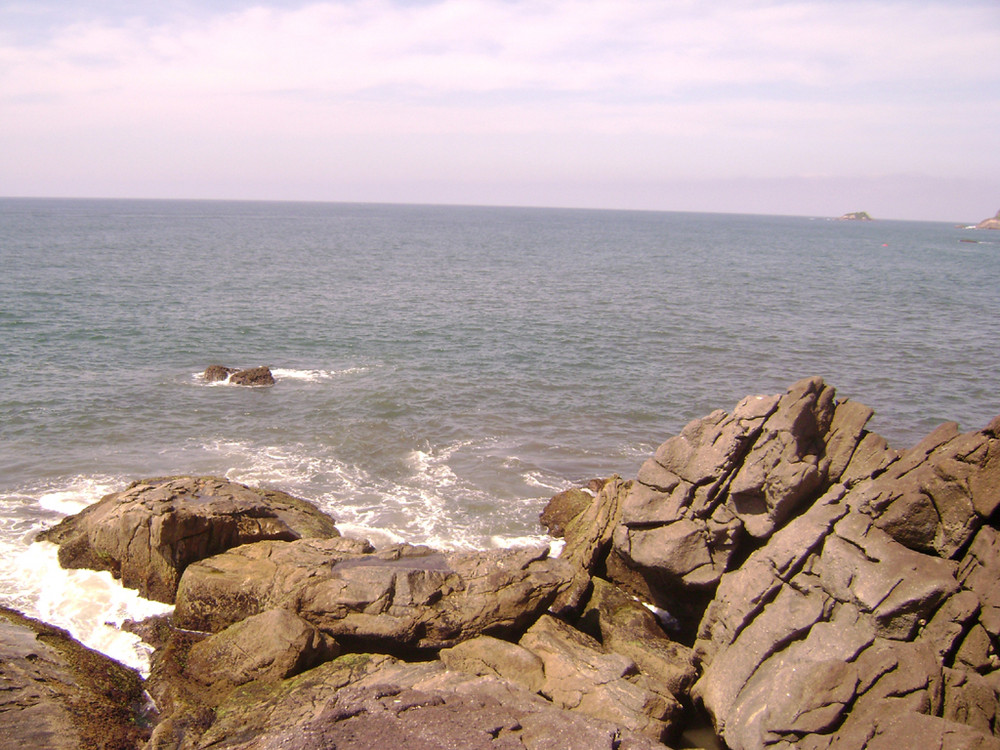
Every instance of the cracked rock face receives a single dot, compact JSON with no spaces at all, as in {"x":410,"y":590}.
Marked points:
{"x":869,"y":620}
{"x":731,"y":476}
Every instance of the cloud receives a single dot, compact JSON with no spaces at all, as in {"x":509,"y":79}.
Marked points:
{"x":602,"y":89}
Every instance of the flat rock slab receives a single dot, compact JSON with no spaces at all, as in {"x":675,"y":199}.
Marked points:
{"x":363,"y":701}
{"x":148,"y":533}
{"x":394,"y":599}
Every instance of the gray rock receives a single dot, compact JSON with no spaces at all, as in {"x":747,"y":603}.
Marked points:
{"x":726,"y":477}
{"x":148,"y":533}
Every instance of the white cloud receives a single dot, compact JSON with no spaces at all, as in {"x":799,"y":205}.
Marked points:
{"x":600,"y":89}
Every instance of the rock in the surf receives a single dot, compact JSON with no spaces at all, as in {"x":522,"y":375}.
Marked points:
{"x":148,"y":533}
{"x":57,"y":694}
{"x":216,"y":373}
{"x":252,"y":376}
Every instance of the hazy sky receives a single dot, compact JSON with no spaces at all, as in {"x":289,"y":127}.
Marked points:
{"x":762,"y":106}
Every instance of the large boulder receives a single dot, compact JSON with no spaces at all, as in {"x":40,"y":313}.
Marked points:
{"x":56,"y":693}
{"x":148,"y":533}
{"x":394,"y":599}
{"x":270,"y":646}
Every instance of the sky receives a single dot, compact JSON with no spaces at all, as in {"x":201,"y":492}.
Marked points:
{"x":799,"y":107}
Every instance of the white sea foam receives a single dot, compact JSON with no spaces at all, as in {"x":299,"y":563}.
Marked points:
{"x":517,"y":542}
{"x":78,"y":494}
{"x":313,"y":376}
{"x":90,"y":605}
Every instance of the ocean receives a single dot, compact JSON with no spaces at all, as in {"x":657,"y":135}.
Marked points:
{"x":441,"y":371}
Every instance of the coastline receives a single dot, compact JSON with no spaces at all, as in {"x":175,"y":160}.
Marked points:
{"x":770,"y":534}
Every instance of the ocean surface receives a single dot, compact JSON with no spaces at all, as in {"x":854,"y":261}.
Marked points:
{"x":441,"y":371}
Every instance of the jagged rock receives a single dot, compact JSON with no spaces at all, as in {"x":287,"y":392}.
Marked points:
{"x":581,"y":676}
{"x":728,"y":476}
{"x":842,"y":628}
{"x":151,"y":531}
{"x":979,"y":571}
{"x":856,"y":216}
{"x":56,"y":693}
{"x":270,"y":646}
{"x":936,"y":495}
{"x":363,"y":701}
{"x":253,"y":376}
{"x":401,"y":597}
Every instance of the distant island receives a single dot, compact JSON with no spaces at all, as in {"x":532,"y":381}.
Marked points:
{"x":856,"y":216}
{"x":991,"y":223}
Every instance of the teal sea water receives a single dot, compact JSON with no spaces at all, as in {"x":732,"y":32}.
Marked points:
{"x":441,"y":371}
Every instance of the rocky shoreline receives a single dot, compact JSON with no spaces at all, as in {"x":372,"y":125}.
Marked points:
{"x":777,"y":568}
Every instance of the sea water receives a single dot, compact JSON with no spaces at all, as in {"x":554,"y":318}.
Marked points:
{"x":441,"y":371}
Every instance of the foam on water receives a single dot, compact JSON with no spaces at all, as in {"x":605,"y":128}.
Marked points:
{"x":90,"y":605}
{"x":314,"y":376}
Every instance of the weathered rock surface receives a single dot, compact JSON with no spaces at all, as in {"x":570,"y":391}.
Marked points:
{"x":148,"y":533}
{"x":55,"y":693}
{"x":850,"y":622}
{"x":399,"y":598}
{"x":581,"y":675}
{"x":727,"y":477}
{"x":363,"y":701}
{"x":252,"y":376}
